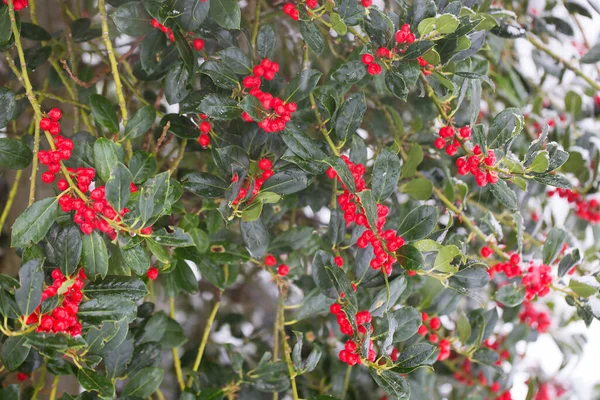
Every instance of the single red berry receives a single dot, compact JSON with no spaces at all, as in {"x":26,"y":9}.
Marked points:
{"x":374,"y":69}
{"x":146,"y":231}
{"x":335,"y":308}
{"x":439,"y":143}
{"x":62,"y":184}
{"x":45,"y":124}
{"x":283,"y":270}
{"x":486,"y":252}
{"x":265,"y":164}
{"x":55,"y":114}
{"x":204,"y":140}
{"x":205,"y":127}
{"x":48,"y":177}
{"x":422,"y":330}
{"x":152,"y":273}
{"x":367,"y":58}
{"x":366,"y":3}
{"x":339,"y":261}
{"x":22,"y":376}
{"x":515,"y":259}
{"x":54,"y":128}
{"x":465,"y":132}
{"x":270,"y":260}
{"x":435,"y":323}
{"x":198,"y":44}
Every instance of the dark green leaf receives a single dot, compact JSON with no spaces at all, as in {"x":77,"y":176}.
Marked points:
{"x":14,"y":154}
{"x":118,"y":186}
{"x":350,"y":116}
{"x":31,"y":278}
{"x":505,"y":195}
{"x":386,"y":173}
{"x":33,"y":224}
{"x":7,"y":107}
{"x":104,"y":112}
{"x":140,"y":123}
{"x":219,"y":106}
{"x":94,"y":381}
{"x":511,"y":295}
{"x":301,"y":85}
{"x":144,"y":382}
{"x":393,"y":383}
{"x":204,"y":184}
{"x":106,"y":154}
{"x":256,"y":237}
{"x":266,"y":41}
{"x":177,"y":84}
{"x":34,"y":32}
{"x":221,"y":74}
{"x":350,"y":72}
{"x":288,"y":181}
{"x":107,"y":308}
{"x":312,"y":36}
{"x":132,"y":19}
{"x":68,"y":249}
{"x":505,"y":127}
{"x":418,"y":223}
{"x":142,"y":166}
{"x":553,"y":245}
{"x":568,"y":262}
{"x":13,"y":352}
{"x":226,"y":13}
{"x":94,"y":256}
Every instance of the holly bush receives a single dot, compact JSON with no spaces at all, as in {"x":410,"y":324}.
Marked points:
{"x":312,"y":200}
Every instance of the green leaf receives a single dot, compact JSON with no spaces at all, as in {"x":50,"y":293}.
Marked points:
{"x":445,"y":258}
{"x":104,"y":112}
{"x":568,"y":262}
{"x":256,"y":237}
{"x":132,"y":19}
{"x":393,"y":383}
{"x":266,"y":41}
{"x":302,"y":145}
{"x":505,"y":127}
{"x":136,"y":259}
{"x":410,"y":258}
{"x":226,"y":13}
{"x":94,"y":381}
{"x":592,"y":56}
{"x":505,"y":195}
{"x":370,"y":207}
{"x":464,"y":328}
{"x":175,"y":238}
{"x":396,"y":84}
{"x":426,"y":26}
{"x":237,"y":60}
{"x":418,"y":223}
{"x":94,"y":256}
{"x":350,"y":72}
{"x":13,"y":352}
{"x":140,"y":123}
{"x":417,"y":49}
{"x":540,"y":162}
{"x":470,"y":278}
{"x":485,"y":356}
{"x":106,"y":154}
{"x":204,"y":184}
{"x":573,"y":102}
{"x":420,"y":188}
{"x":68,"y":249}
{"x":337,"y":24}
{"x":584,"y":286}
{"x":177,"y":84}
{"x":415,"y":355}
{"x":343,"y":172}
{"x":107,"y":308}
{"x":130,"y":287}
{"x":219,"y":106}
{"x":34,"y":32}
{"x":33,"y":224}
{"x":193,"y":13}
{"x":31,"y":278}
{"x":253,"y":107}
{"x":144,"y":382}
{"x":221,"y":74}
{"x":288,"y":181}
{"x":415,"y":157}
{"x":555,"y":180}
{"x":446,"y":23}
{"x":151,"y":51}
{"x":14,"y":154}
{"x":350,"y":116}
{"x":7,"y":108}
{"x":5,"y":27}
{"x":312,"y":36}
{"x":553,"y":245}
{"x":118,"y":187}
{"x":142,"y":166}
{"x":511,"y":295}
{"x":153,"y":196}
{"x":379,"y":27}
{"x":301,"y":85}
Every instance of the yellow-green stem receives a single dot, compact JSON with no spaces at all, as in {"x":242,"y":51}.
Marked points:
{"x":11,"y":199}
{"x":174,"y":351}
{"x":54,"y":387}
{"x":287,"y":350}
{"x":204,"y":341}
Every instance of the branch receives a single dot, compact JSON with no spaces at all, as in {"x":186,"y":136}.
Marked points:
{"x":540,"y":46}
{"x":205,"y":335}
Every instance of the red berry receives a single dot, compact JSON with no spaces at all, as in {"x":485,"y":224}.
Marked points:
{"x":198,"y":44}
{"x":486,"y":252}
{"x":48,"y":177}
{"x":465,"y":132}
{"x":367,"y":58}
{"x":146,"y":231}
{"x":339,"y":261}
{"x":45,"y":124}
{"x":374,"y":69}
{"x":205,"y":127}
{"x":335,"y":308}
{"x":152,"y":273}
{"x":270,"y":260}
{"x":204,"y":140}
{"x":265,"y":164}
{"x":54,"y":128}
{"x":283,"y":270}
{"x":515,"y":259}
{"x":55,"y":114}
{"x":22,"y":376}
{"x":435,"y":323}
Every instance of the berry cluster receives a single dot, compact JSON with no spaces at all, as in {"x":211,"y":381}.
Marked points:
{"x":404,"y":35}
{"x":63,"y":319}
{"x":278,"y":112}
{"x":538,"y":320}
{"x":510,"y":268}
{"x":426,"y":68}
{"x":349,"y":354}
{"x":63,"y":146}
{"x":588,"y":210}
{"x":385,"y":243}
{"x":19,"y":4}
{"x":434,"y":324}
{"x":197,"y":43}
{"x":465,"y":376}
{"x":449,"y":140}
{"x":537,"y":280}
{"x":253,"y":184}
{"x":290,"y":9}
{"x":486,"y":252}
{"x":271,"y":261}
{"x":477,"y":165}
{"x":372,"y":67}
{"x":96,"y":213}
{"x":205,"y":128}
